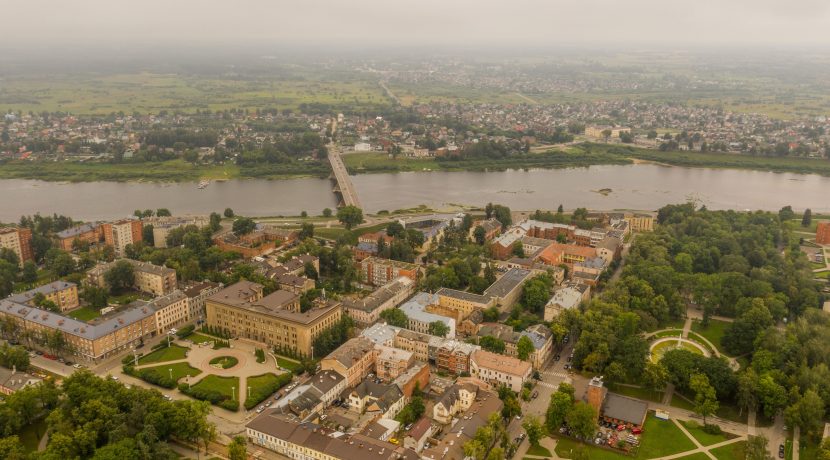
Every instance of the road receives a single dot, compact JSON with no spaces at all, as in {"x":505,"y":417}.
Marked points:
{"x":344,"y":183}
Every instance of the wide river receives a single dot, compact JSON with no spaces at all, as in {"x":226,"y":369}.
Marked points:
{"x":640,"y":186}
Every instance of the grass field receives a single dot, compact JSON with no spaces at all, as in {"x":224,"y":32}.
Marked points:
{"x":714,"y":332}
{"x":225,"y":385}
{"x":30,"y":434}
{"x":661,"y":348}
{"x":225,"y":362}
{"x":288,"y":364}
{"x":696,"y":429}
{"x":735,"y":451}
{"x":198,"y":337}
{"x":538,"y":451}
{"x":180,"y":370}
{"x":660,"y":438}
{"x":697,"y":456}
{"x":639,"y":393}
{"x":85,"y":313}
{"x":172,"y":353}
{"x":153,"y":92}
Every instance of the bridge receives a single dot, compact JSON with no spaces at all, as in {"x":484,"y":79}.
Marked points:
{"x":343,"y":186}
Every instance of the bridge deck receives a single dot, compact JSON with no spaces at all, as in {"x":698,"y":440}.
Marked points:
{"x":344,"y":183}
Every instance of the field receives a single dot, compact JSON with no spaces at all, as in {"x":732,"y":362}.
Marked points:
{"x":153,"y":92}
{"x":538,"y":451}
{"x":30,"y":434}
{"x":263,"y":386}
{"x":180,"y":370}
{"x":85,"y":313}
{"x":228,"y":386}
{"x":172,"y":353}
{"x":660,"y":438}
{"x":288,"y":364}
{"x":735,"y":451}
{"x":714,"y":332}
{"x":696,"y":429}
{"x":639,"y":393}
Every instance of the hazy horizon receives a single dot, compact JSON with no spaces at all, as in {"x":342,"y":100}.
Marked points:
{"x":375,"y":24}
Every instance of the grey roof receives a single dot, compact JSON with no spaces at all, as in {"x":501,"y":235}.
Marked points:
{"x":509,"y":281}
{"x":46,"y":289}
{"x":379,"y":296}
{"x":538,"y":334}
{"x":367,"y":247}
{"x":75,"y":231}
{"x":161,"y":302}
{"x":463,"y":295}
{"x":624,"y":408}
{"x":351,"y":351}
{"x":144,"y":267}
{"x":381,"y":333}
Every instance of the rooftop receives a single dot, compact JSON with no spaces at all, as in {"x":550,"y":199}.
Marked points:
{"x":352,"y":351}
{"x":501,"y":363}
{"x":507,"y":283}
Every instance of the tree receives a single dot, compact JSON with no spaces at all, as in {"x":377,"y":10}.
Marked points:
{"x":395,"y":317}
{"x":807,"y":218}
{"x":560,"y":209}
{"x":807,"y":412}
{"x":29,"y":272}
{"x":237,"y":449}
{"x":228,"y":213}
{"x":606,"y":133}
{"x":121,"y":276}
{"x":163,"y":212}
{"x":786,"y":213}
{"x":307,"y":230}
{"x":327,"y":212}
{"x":439,"y":329}
{"x":492,"y":344}
{"x":503,"y":215}
{"x":215,"y":221}
{"x":243,"y":226}
{"x":95,"y":296}
{"x":147,"y":235}
{"x":480,"y":235}
{"x":534,"y":429}
{"x":756,"y":448}
{"x":582,"y":418}
{"x":350,"y":216}
{"x":488,"y":210}
{"x":558,"y":408}
{"x":706,"y":401}
{"x":524,"y":348}
{"x":12,"y":449}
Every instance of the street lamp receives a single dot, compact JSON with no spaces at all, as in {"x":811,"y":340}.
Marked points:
{"x":249,"y":392}
{"x":171,"y":373}
{"x":233,"y":393}
{"x":312,"y":352}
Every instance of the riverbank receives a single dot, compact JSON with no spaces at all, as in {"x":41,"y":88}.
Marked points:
{"x":164,"y":171}
{"x":581,"y":155}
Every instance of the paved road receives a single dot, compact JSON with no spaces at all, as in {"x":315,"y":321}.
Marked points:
{"x":347,"y":189}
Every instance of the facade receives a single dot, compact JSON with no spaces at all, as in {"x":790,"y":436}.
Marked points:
{"x":149,"y":278}
{"x":465,"y":303}
{"x":378,"y":272}
{"x":11,"y":380}
{"x":171,"y":310}
{"x":420,"y":319}
{"x":367,"y":310}
{"x":640,"y":222}
{"x":63,"y":293}
{"x":311,"y":442}
{"x":597,"y":131}
{"x":823,"y":233}
{"x":91,"y":233}
{"x":163,"y":225}
{"x":384,"y":400}
{"x":417,"y":436}
{"x":492,"y":228}
{"x":610,"y":249}
{"x":454,"y":356}
{"x":614,"y":408}
{"x":19,"y":241}
{"x":354,"y":360}
{"x":121,"y":233}
{"x":197,"y":294}
{"x":275,"y":319}
{"x":391,"y":362}
{"x":455,"y":399}
{"x":566,"y":298}
{"x":414,"y":342}
{"x":499,"y":370}
{"x":568,"y":254}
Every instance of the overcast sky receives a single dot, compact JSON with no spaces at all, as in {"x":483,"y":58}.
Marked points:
{"x":414,"y":22}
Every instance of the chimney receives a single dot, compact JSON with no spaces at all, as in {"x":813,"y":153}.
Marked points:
{"x":595,"y":393}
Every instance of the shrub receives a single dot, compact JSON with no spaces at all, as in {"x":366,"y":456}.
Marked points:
{"x":156,"y":378}
{"x":230,"y":405}
{"x":260,"y":355}
{"x":130,"y":359}
{"x":162,"y":344}
{"x":261,"y":392}
{"x":711,"y":428}
{"x":186,"y":331}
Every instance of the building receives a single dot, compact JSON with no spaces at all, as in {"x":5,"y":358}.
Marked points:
{"x":531,"y":245}
{"x":566,"y":298}
{"x":378,"y":272}
{"x":417,"y":436}
{"x":640,"y":222}
{"x":451,"y":446}
{"x":823,"y":233}
{"x":455,"y":399}
{"x":505,"y":291}
{"x":462,"y":302}
{"x":539,"y":335}
{"x":414,"y":342}
{"x":568,"y":254}
{"x":275,"y":319}
{"x":12,"y":381}
{"x":293,"y":283}
{"x":149,"y":278}
{"x":367,"y":310}
{"x":354,"y":360}
{"x":610,"y":249}
{"x":62,"y":293}
{"x":614,"y":408}
{"x":19,"y":240}
{"x":420,"y":319}
{"x":197,"y":294}
{"x":598,"y":132}
{"x":384,"y":400}
{"x":171,"y":310}
{"x":499,"y":370}
{"x":392,"y":362}
{"x":417,"y":376}
{"x":92,"y":233}
{"x":261,"y":241}
{"x":315,"y":394}
{"x":311,"y":442}
{"x":492,"y":228}
{"x":454,"y":356}
{"x":163,"y":225}
{"x":102,"y":337}
{"x":121,"y":233}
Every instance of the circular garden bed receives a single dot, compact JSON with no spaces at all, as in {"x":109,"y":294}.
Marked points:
{"x":224,"y":362}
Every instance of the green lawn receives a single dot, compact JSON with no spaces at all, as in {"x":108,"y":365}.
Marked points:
{"x":180,"y":370}
{"x":639,"y":393}
{"x":697,"y":456}
{"x":85,"y":313}
{"x":288,"y":364}
{"x":734,"y":451}
{"x":661,"y":438}
{"x":30,"y":434}
{"x":566,"y":447}
{"x":222,"y":385}
{"x":696,"y":429}
{"x":198,"y":337}
{"x":714,"y":332}
{"x":538,"y":451}
{"x":172,"y":353}
{"x":678,"y":401}
{"x":225,"y":362}
{"x":694,"y":336}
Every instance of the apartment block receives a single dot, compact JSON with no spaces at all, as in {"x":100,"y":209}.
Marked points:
{"x":377,"y":272}
{"x":149,"y":278}
{"x":63,"y":293}
{"x":19,"y":241}
{"x":121,"y":233}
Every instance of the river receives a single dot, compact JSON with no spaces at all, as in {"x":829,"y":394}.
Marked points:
{"x":639,"y":186}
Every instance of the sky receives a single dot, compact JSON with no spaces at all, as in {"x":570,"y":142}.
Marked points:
{"x":392,"y":23}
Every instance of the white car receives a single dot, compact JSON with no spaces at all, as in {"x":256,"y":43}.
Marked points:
{"x":113,"y":377}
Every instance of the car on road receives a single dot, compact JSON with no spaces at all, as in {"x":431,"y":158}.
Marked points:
{"x":781,"y":451}
{"x":168,"y":397}
{"x":69,"y":363}
{"x":557,"y":358}
{"x":39,"y":353}
{"x":535,"y":395}
{"x":113,"y":377}
{"x":77,"y":366}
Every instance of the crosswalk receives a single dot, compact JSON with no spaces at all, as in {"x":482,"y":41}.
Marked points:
{"x":548,"y":385}
{"x":561,"y":375}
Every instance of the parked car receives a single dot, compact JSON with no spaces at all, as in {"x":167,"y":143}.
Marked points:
{"x":77,"y":366}
{"x":557,"y":358}
{"x":69,"y":363}
{"x":535,"y":395}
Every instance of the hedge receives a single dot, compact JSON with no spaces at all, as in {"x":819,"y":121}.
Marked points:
{"x":185,"y":331}
{"x":261,"y":392}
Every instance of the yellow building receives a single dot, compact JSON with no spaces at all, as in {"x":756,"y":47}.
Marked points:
{"x":153,"y":279}
{"x":275,"y":319}
{"x":597,"y":131}
{"x":63,"y":293}
{"x":640,"y":222}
